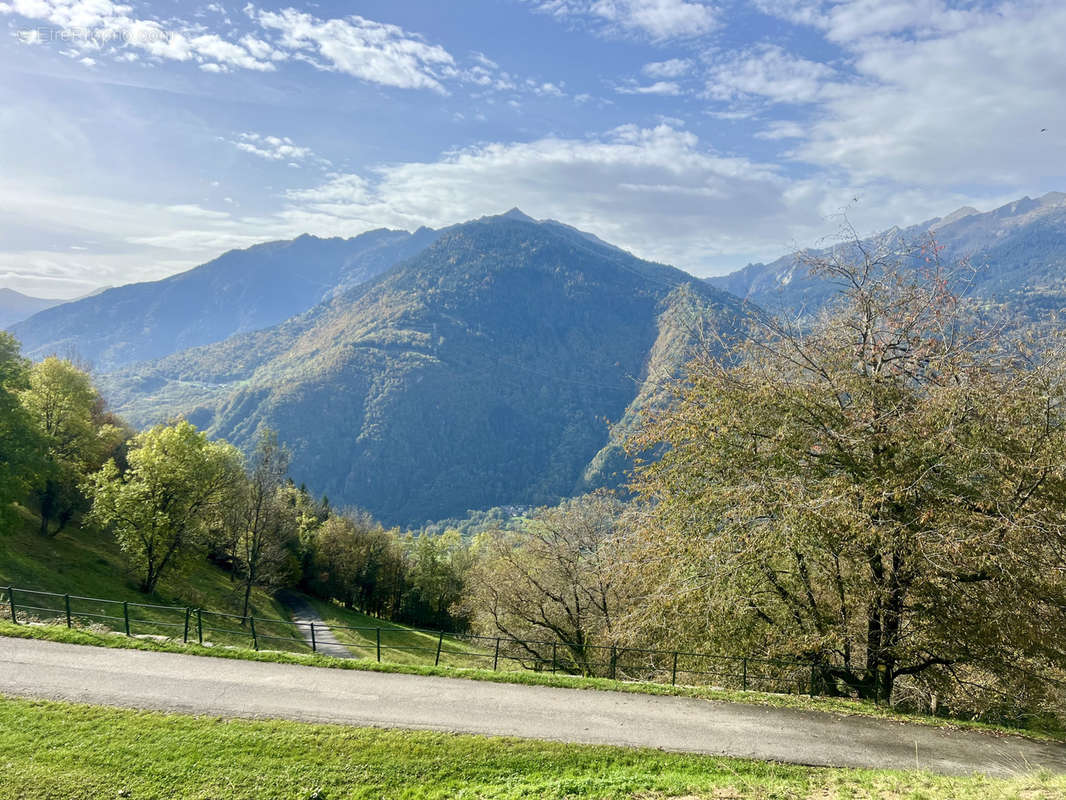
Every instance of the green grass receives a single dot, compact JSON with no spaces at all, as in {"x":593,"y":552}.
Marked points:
{"x":801,"y":702}
{"x":61,"y":751}
{"x":399,"y":644}
{"x":87,"y":562}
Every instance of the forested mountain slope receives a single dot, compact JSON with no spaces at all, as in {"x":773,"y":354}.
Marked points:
{"x":482,"y":371}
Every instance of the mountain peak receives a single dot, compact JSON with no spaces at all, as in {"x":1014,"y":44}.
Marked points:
{"x":517,"y":213}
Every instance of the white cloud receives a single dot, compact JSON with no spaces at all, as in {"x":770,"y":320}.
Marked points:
{"x":669,"y":88}
{"x":955,"y":106}
{"x":107,"y":28}
{"x":658,"y":19}
{"x":798,"y":12}
{"x":769,"y":72}
{"x":273,"y":148}
{"x":782,"y":129}
{"x":673,"y":68}
{"x":657,"y":191}
{"x":372,"y":51}
{"x":845,"y":21}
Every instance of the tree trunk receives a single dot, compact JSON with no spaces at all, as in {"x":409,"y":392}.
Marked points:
{"x":247,"y":596}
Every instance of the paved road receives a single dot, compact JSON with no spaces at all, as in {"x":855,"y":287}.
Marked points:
{"x":231,"y":688}
{"x":304,"y":615}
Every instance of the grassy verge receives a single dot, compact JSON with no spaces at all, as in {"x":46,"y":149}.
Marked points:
{"x":800,"y":702}
{"x":53,"y":751}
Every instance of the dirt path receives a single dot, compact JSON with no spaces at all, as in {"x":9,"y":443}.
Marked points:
{"x":304,"y":614}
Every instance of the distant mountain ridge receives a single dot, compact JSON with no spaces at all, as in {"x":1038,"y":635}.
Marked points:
{"x":1019,"y":250}
{"x":483,"y":370}
{"x":16,"y":306}
{"x":241,"y":290}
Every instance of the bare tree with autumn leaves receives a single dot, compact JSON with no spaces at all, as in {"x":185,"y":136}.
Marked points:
{"x":881,"y":491}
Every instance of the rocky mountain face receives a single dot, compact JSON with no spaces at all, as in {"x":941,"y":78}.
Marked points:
{"x":1018,"y":252}
{"x":499,"y":365}
{"x":242,"y":290}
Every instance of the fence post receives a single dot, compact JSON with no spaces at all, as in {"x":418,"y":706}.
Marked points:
{"x":614,"y":662}
{"x":440,"y":641}
{"x":673,"y":672}
{"x":126,"y":616}
{"x":554,"y":661}
{"x":200,"y":626}
{"x":11,"y":599}
{"x":314,"y":646}
{"x":379,"y":644}
{"x":744,"y":674}
{"x":185,"y":635}
{"x":496,"y":656}
{"x":255,"y":641}
{"x":66,"y":602}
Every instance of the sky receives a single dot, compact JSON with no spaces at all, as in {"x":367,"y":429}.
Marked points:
{"x":138,"y":139}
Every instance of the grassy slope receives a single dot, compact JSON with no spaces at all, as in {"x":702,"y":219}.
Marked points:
{"x":399,"y":644}
{"x":60,"y":750}
{"x":89,"y":563}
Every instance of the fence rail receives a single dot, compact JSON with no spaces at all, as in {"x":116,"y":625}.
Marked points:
{"x":386,"y":644}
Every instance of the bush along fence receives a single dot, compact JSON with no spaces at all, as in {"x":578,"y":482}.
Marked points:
{"x":387,"y":644}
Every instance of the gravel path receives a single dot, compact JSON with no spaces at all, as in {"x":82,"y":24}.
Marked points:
{"x":233,"y":688}
{"x":304,"y":615}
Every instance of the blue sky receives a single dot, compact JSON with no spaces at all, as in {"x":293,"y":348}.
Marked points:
{"x":138,"y":139}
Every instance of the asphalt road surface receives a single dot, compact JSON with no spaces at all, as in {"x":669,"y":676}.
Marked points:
{"x":233,"y":688}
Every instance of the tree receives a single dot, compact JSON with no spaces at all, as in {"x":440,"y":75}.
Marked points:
{"x":21,"y":448}
{"x":555,"y":581}
{"x":266,"y":527}
{"x":163,"y":508}
{"x":883,"y":492}
{"x":77,"y":434}
{"x":437,"y":573}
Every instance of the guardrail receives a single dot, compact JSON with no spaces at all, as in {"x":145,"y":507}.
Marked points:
{"x":206,"y":627}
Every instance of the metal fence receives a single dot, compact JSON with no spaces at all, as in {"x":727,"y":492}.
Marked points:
{"x":417,"y":645}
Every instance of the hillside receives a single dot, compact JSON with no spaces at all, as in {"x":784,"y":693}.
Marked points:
{"x":87,"y":562}
{"x":483,"y":371}
{"x":241,"y":290}
{"x":1019,"y":251}
{"x":16,"y":306}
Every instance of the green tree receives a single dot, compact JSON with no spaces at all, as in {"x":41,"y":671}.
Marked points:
{"x":437,"y":574}
{"x":266,"y":527}
{"x":165,"y":506}
{"x":78,"y":437}
{"x":21,"y":448}
{"x":884,"y":493}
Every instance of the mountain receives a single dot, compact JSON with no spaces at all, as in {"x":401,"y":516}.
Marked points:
{"x":1019,"y":251}
{"x":242,"y":290}
{"x":15,"y":306}
{"x":485,"y":370}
